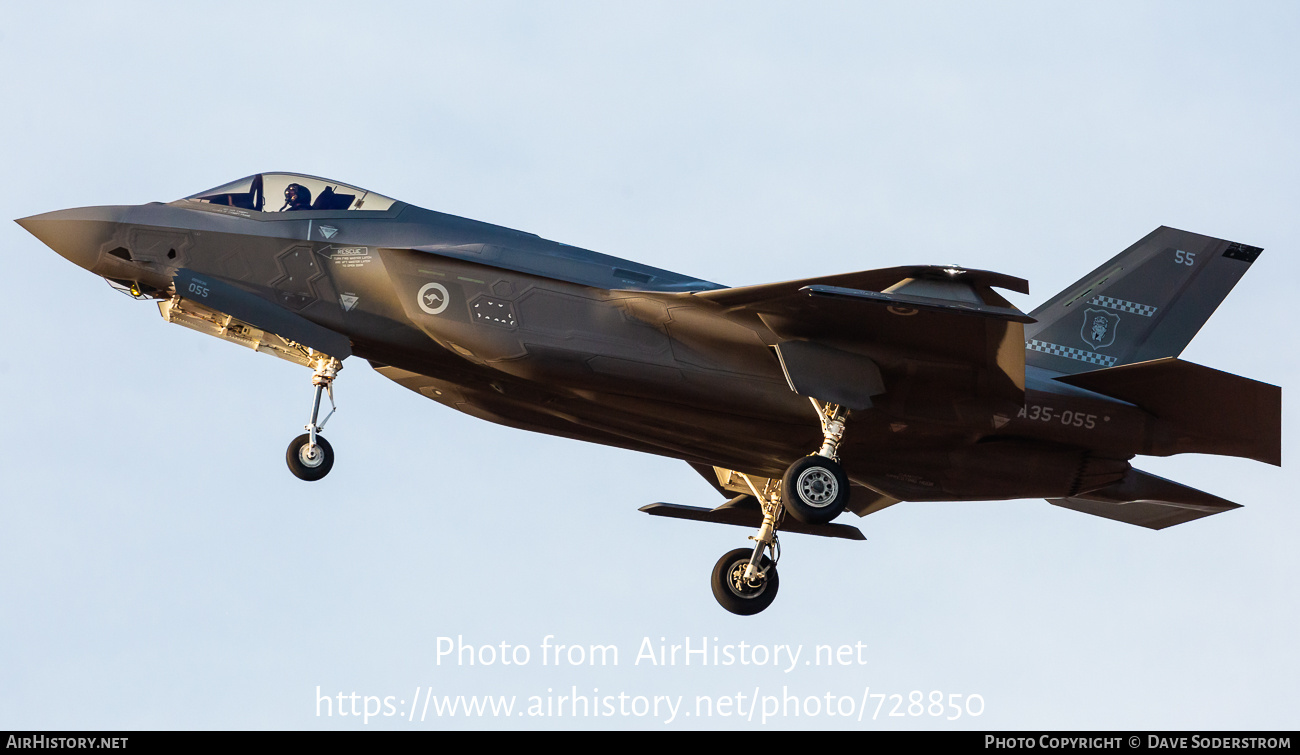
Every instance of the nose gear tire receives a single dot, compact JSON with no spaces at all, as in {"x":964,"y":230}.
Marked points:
{"x":815,"y":490}
{"x":734,"y":593}
{"x":307,"y":463}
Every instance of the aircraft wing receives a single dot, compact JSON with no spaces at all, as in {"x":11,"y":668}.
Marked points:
{"x":868,"y":280}
{"x":940,"y":326}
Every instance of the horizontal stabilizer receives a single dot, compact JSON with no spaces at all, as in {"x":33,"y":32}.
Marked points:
{"x":744,"y":511}
{"x":1198,"y":409}
{"x":1147,"y":501}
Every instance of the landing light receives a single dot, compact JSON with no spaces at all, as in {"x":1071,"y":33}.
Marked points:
{"x":131,"y":289}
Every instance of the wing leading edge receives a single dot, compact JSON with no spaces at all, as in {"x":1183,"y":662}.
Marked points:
{"x":943,"y":326}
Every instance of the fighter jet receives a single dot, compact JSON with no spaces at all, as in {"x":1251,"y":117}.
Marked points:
{"x":796,"y":400}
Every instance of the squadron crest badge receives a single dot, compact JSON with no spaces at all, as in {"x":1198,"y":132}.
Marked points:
{"x":1099,"y":328}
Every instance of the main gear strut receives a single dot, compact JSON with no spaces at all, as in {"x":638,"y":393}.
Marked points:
{"x":745,"y":580}
{"x":815,"y":487}
{"x":814,"y":490}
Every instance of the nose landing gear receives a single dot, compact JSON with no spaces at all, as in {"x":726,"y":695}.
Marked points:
{"x":310,"y":456}
{"x":309,"y":461}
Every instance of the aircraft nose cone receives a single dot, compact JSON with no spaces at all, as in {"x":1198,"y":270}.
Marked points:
{"x":77,"y":234}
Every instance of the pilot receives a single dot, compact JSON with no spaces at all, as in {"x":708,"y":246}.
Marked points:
{"x":296,"y":197}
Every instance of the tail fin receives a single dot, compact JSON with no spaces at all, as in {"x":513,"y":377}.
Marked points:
{"x":1146,"y":303}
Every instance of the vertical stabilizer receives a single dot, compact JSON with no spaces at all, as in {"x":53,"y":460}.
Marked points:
{"x":1146,"y":303}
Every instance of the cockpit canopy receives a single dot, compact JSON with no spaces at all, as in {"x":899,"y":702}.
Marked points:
{"x":288,"y":192}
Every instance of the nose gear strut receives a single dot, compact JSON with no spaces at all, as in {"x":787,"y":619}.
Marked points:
{"x":310,"y":456}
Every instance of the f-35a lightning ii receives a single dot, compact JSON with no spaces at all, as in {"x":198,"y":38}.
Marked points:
{"x":795,"y":400}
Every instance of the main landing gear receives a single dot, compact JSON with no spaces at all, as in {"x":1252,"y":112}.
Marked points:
{"x":814,"y":490}
{"x":744,"y":580}
{"x":310,"y":456}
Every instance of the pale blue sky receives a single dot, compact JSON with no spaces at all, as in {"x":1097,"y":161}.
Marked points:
{"x":162,"y":569}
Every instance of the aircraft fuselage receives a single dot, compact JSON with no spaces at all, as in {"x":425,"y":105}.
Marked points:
{"x":491,"y":322}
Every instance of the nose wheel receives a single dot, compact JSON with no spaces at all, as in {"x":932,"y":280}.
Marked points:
{"x":309,"y":461}
{"x":310,"y":456}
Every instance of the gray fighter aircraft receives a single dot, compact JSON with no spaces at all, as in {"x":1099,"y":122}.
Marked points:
{"x":795,"y":400}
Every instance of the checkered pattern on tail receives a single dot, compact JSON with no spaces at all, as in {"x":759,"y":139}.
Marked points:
{"x":1069,"y":353}
{"x":1162,"y":290}
{"x":1124,"y":306}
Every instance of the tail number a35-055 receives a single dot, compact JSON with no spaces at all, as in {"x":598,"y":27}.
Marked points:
{"x":1050,"y":414}
{"x":198,"y":288}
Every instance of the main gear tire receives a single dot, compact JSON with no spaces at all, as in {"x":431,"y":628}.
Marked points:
{"x":308,"y":463}
{"x":738,"y":595}
{"x":815,"y":490}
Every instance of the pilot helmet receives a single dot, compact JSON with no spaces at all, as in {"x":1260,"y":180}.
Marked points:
{"x":297,"y":197}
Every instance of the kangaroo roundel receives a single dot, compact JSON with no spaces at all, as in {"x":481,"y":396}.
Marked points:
{"x":433,"y":298}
